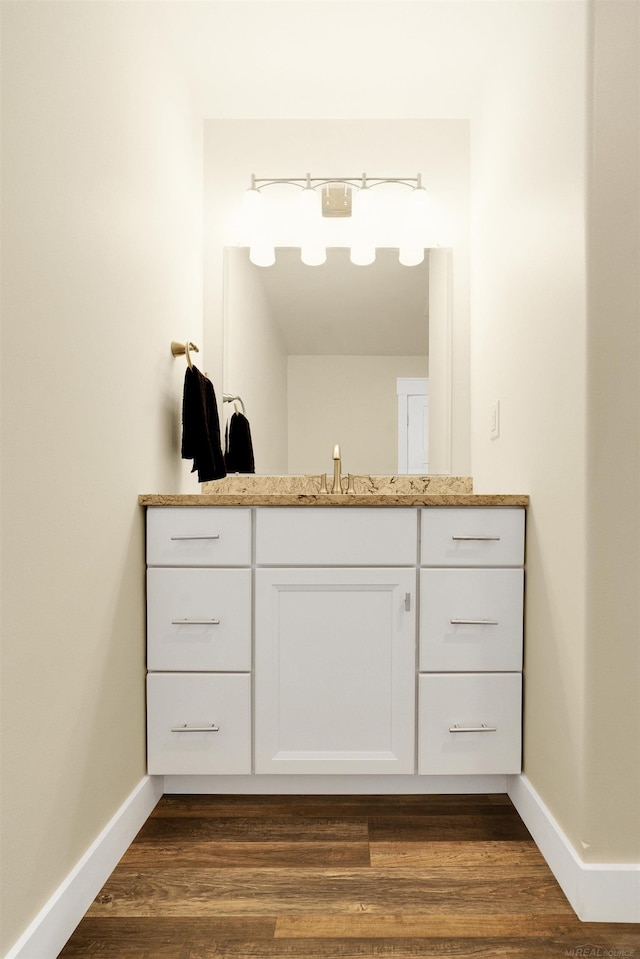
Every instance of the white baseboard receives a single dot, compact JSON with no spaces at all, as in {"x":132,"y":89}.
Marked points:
{"x":49,"y":931}
{"x":598,"y":892}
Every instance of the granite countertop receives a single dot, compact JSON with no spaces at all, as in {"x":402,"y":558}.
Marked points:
{"x":329,"y":499}
{"x":305,"y":491}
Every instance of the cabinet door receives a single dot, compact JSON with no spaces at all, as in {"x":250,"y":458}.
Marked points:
{"x":335,"y":671}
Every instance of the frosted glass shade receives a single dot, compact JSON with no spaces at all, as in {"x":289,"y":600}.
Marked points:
{"x":419,"y":201}
{"x":411,"y":255}
{"x":363,"y":203}
{"x":252,"y":214}
{"x":362,"y":255}
{"x":262,"y":254}
{"x":313,"y":255}
{"x":309,"y":205}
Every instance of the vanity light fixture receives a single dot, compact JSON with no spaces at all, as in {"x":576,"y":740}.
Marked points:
{"x":335,"y":197}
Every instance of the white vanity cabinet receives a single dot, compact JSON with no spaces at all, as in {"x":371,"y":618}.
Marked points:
{"x":471,"y":623}
{"x":199,"y":641}
{"x":378,"y":644}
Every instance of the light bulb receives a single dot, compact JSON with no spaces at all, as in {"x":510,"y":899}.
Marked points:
{"x":252,"y":199}
{"x":308,"y":204}
{"x":313,"y":254}
{"x":312,"y":250}
{"x":415,"y":226}
{"x":419,"y":200}
{"x":410,"y":255}
{"x":362,"y":254}
{"x":363,"y":250}
{"x":252,"y":213}
{"x":255,"y":229}
{"x":363,"y":203}
{"x":262,"y":253}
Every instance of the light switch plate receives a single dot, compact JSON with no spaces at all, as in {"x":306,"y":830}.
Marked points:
{"x":494,"y":430}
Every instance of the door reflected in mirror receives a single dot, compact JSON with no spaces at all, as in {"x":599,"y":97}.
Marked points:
{"x":316,"y":354}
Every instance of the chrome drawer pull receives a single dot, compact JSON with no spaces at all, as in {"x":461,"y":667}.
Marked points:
{"x":474,"y":622}
{"x":195,"y":622}
{"x":480,"y":539}
{"x":212,"y":536}
{"x":195,"y":729}
{"x":473,"y":729}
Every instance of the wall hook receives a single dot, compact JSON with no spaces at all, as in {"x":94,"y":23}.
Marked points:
{"x":182,"y":349}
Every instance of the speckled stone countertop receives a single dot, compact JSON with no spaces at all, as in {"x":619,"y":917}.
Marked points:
{"x":305,"y":491}
{"x":330,"y":499}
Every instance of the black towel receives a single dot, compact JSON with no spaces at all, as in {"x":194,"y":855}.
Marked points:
{"x":238,"y":455}
{"x":201,"y":427}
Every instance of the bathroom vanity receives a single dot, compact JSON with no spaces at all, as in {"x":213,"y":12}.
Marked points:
{"x":339,"y":648}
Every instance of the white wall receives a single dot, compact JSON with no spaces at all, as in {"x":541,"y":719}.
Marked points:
{"x":612,"y":653}
{"x":102,"y":240}
{"x":529,"y":352}
{"x":350,"y":400}
{"x":555,"y":339}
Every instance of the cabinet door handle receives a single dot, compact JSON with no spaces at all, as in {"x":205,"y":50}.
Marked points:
{"x":407,"y":602}
{"x":195,"y":729}
{"x":473,"y":729}
{"x":195,"y":622}
{"x":480,"y":539}
{"x":474,"y":622}
{"x":210,"y":536}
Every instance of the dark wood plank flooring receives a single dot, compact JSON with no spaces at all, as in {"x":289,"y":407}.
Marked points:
{"x":347,"y":877}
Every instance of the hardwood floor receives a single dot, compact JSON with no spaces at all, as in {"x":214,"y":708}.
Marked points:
{"x":300,"y":877}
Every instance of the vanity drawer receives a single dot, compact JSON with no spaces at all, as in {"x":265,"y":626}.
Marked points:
{"x":472,"y":536}
{"x":198,"y":723}
{"x":471,"y":619}
{"x":294,"y":536}
{"x":199,"y":619}
{"x":452,"y":706}
{"x":199,"y":536}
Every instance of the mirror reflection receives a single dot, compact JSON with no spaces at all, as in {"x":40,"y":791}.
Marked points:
{"x":324,"y":355}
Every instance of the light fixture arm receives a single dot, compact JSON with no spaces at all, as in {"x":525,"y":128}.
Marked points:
{"x":360,"y":182}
